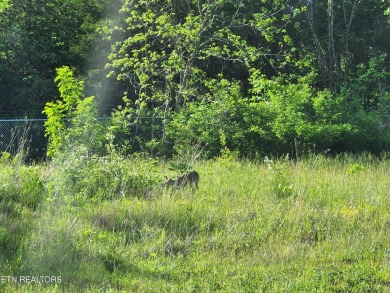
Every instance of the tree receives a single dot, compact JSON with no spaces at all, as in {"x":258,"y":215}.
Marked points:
{"x":37,"y":36}
{"x":170,"y":48}
{"x":72,"y":119}
{"x":343,"y":34}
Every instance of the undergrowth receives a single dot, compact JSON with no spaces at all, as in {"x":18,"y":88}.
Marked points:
{"x":107,"y":224}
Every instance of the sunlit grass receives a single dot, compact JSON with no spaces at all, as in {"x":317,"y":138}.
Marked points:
{"x":316,"y":225}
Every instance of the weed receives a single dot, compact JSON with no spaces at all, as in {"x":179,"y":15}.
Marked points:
{"x":105,"y":224}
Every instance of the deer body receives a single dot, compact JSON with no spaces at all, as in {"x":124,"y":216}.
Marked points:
{"x":191,"y":178}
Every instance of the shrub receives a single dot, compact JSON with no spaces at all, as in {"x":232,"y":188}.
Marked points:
{"x":85,"y":177}
{"x":71,"y":121}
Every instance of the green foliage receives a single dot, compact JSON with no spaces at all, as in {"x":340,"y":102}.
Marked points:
{"x":365,"y":107}
{"x":299,"y":112}
{"x":291,"y":76}
{"x":369,"y":85}
{"x":72,"y":120}
{"x":135,"y":130}
{"x":4,"y":4}
{"x":223,"y":120}
{"x":168,"y":51}
{"x":254,"y":79}
{"x":36,"y":37}
{"x":355,"y":168}
{"x":333,"y":34}
{"x":93,"y":178}
{"x":280,"y":114}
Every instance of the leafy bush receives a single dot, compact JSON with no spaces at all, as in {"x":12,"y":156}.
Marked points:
{"x":71,"y":121}
{"x":223,"y":120}
{"x":271,"y":122}
{"x":94,"y":178}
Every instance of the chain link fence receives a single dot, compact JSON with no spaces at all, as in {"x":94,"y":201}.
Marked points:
{"x":24,"y":135}
{"x":28,"y":135}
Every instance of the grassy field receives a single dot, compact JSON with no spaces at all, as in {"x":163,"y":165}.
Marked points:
{"x":108,"y":225}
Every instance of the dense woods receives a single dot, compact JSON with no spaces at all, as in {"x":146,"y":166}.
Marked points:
{"x":254,"y":77}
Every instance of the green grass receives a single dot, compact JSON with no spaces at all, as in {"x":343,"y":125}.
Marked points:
{"x":317,"y":225}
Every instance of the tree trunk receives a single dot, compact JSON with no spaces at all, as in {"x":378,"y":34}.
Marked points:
{"x":317,"y":44}
{"x":348,"y":26}
{"x":332,"y":59}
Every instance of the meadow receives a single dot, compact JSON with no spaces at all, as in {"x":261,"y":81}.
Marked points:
{"x":108,"y":224}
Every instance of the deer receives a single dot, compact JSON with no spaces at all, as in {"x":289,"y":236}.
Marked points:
{"x":191,"y":178}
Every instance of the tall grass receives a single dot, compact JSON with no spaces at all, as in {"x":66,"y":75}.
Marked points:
{"x":108,"y":224}
{"x":21,"y":193}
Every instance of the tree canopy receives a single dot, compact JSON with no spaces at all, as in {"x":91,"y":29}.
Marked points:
{"x":249,"y":76}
